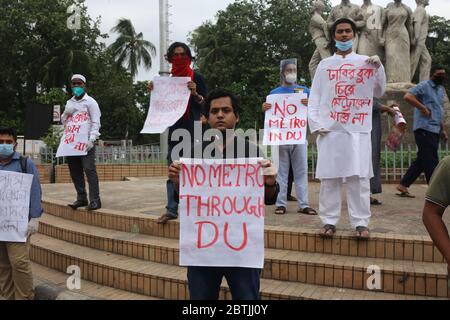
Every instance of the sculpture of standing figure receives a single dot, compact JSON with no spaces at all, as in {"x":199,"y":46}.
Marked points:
{"x":371,"y":40}
{"x":397,"y":34}
{"x":351,"y":11}
{"x":420,"y":57}
{"x":318,"y":29}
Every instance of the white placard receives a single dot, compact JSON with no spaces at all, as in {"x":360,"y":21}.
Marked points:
{"x":76,"y":135}
{"x":15,"y":189}
{"x":222,"y":213}
{"x":286,"y":122}
{"x":168,"y":103}
{"x":351,"y":99}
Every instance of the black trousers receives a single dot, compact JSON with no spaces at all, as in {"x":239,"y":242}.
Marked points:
{"x":80,"y":165}
{"x":427,"y":157}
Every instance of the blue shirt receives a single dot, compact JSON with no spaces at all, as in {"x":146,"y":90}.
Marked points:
{"x":36,"y":193}
{"x":290,"y":89}
{"x":430,"y":95}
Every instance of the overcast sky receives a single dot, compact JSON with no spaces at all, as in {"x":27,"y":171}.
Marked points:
{"x":187,"y":15}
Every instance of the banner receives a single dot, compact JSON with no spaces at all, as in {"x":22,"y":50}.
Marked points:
{"x":168,"y":103}
{"x":222,"y":213}
{"x":286,"y":122}
{"x":76,"y":135}
{"x":15,"y":189}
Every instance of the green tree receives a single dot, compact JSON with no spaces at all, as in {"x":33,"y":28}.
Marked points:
{"x":131,"y":48}
{"x":438,"y":43}
{"x":243,"y":48}
{"x":40,"y":52}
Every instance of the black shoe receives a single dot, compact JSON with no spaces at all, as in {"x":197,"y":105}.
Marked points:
{"x":78,"y":204}
{"x":94,"y":205}
{"x":166,"y":218}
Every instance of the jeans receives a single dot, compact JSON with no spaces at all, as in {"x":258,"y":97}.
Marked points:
{"x":204,"y":282}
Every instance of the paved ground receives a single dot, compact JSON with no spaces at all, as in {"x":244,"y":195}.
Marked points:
{"x":395,"y":215}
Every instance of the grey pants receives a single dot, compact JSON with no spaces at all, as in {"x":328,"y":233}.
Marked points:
{"x":80,"y":165}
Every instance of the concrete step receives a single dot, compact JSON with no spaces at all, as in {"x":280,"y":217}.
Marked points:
{"x":401,"y":277}
{"x":88,"y":291}
{"x":382,"y":246}
{"x":168,"y":281}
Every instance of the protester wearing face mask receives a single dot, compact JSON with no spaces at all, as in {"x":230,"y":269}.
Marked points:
{"x":16,"y":279}
{"x":428,"y":100}
{"x":344,"y":156}
{"x":80,"y":165}
{"x":292,"y":155}
{"x":180,"y":57}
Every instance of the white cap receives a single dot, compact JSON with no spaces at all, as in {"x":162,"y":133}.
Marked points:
{"x":80,"y":77}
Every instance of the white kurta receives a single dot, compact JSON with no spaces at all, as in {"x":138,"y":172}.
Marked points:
{"x":341,"y":153}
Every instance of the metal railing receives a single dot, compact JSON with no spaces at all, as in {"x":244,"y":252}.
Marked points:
{"x":114,"y":155}
{"x":393,"y":164}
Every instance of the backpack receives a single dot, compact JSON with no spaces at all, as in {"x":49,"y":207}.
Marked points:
{"x":23,"y":164}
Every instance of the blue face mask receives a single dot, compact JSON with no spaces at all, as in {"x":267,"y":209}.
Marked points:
{"x":78,"y":91}
{"x":344,"y":46}
{"x":6,"y":150}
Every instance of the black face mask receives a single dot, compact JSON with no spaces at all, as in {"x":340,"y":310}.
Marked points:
{"x":439,"y":80}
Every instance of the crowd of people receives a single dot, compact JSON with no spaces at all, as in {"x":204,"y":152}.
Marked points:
{"x":351,"y":158}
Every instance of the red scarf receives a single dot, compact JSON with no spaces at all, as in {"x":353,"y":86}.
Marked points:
{"x":181,"y":67}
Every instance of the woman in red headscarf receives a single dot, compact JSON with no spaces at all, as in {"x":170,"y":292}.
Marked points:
{"x":180,"y":57}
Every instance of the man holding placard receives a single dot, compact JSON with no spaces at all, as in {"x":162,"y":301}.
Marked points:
{"x":222,"y":214}
{"x":20,"y":210}
{"x":340,"y":111}
{"x":187,"y":107}
{"x":81,"y":119}
{"x":294,"y":150}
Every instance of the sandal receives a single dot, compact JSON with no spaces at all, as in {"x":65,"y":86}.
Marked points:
{"x":309,"y":211}
{"x":328,"y":231}
{"x":405,"y":194}
{"x":375,"y":202}
{"x":362,"y":233}
{"x":280,"y":210}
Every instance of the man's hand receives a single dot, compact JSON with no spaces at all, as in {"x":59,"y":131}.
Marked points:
{"x":266,"y":106}
{"x":192,"y":86}
{"x":33,"y":226}
{"x":323,"y":132}
{"x":425,"y":112}
{"x":304,"y":102}
{"x":269,"y":171}
{"x":150,"y":86}
{"x":375,"y":60}
{"x":392,"y":112}
{"x":174,"y":172}
{"x":444,"y":135}
{"x":70,"y":110}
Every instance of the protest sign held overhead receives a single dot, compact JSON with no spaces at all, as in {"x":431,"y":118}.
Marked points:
{"x":168,"y":103}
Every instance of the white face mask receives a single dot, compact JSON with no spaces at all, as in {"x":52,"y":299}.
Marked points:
{"x":291,"y":78}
